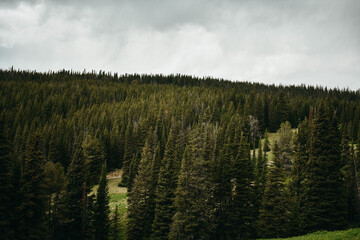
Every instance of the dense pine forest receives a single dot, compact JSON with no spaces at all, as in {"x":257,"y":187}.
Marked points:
{"x":195,"y":155}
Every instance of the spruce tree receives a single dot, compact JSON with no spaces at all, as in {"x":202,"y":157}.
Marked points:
{"x":6,"y":187}
{"x":260,"y":177}
{"x":266,"y":142}
{"x":95,"y":157}
{"x":324,"y":204}
{"x":165,"y":190}
{"x":75,"y":198}
{"x":141,"y":201}
{"x":221,"y":174}
{"x":297,"y":181}
{"x":115,"y":225}
{"x":129,"y":149}
{"x":349,"y":169}
{"x":102,"y":210}
{"x":33,"y":206}
{"x":194,"y":194}
{"x":243,"y":212}
{"x":273,"y":214}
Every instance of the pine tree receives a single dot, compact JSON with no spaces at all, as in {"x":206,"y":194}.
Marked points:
{"x":221,"y":174}
{"x":141,"y":201}
{"x":165,"y":190}
{"x":54,"y":185}
{"x":102,"y":210}
{"x":243,"y":212}
{"x":194,"y":195}
{"x":33,"y":206}
{"x":324,"y":205}
{"x":6,"y":187}
{"x":273,"y":213}
{"x":298,"y":169}
{"x":349,"y":169}
{"x":266,"y":142}
{"x":260,"y":177}
{"x":75,"y":199}
{"x":95,"y":157}
{"x":285,"y":144}
{"x":129,"y":149}
{"x":115,"y":225}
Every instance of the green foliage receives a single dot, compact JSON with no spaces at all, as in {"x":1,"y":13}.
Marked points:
{"x":6,"y":186}
{"x":324,"y":205}
{"x":285,"y":144}
{"x":32,"y":209}
{"x":102,"y":211}
{"x":243,"y":202}
{"x":193,"y":201}
{"x":165,"y":190}
{"x":273,"y":213}
{"x":75,"y":199}
{"x":95,"y":157}
{"x":141,"y":200}
{"x":112,"y":116}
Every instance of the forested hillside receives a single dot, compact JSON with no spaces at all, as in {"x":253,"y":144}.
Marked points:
{"x":190,"y":151}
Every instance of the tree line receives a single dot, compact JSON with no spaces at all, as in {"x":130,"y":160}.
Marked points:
{"x":191,"y":155}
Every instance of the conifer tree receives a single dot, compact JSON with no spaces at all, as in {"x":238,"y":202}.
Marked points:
{"x":102,"y":210}
{"x":95,"y":157}
{"x":273,"y":213}
{"x":6,"y":187}
{"x":221,"y":174}
{"x":75,"y":198}
{"x":285,"y":144}
{"x":141,"y":201}
{"x":324,"y":204}
{"x":260,"y":177}
{"x":194,"y":195}
{"x":243,"y":212}
{"x":297,"y":181}
{"x":351,"y":191}
{"x":266,"y":142}
{"x":165,"y":190}
{"x":115,"y":225}
{"x":54,"y":186}
{"x":33,"y":206}
{"x":129,"y":153}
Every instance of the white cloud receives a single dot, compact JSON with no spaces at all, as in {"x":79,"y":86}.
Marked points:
{"x":288,"y":42}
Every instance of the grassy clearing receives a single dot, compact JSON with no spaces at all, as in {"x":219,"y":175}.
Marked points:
{"x":353,"y":234}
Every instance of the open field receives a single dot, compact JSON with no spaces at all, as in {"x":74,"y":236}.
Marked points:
{"x":353,"y":234}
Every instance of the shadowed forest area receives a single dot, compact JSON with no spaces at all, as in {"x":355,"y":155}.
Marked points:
{"x":197,"y":156}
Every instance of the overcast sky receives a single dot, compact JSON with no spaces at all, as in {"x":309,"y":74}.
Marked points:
{"x":316,"y":42}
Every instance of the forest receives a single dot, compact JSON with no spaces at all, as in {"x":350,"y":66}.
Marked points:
{"x":194,"y":154}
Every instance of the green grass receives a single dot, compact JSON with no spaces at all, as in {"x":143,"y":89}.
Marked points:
{"x":353,"y":234}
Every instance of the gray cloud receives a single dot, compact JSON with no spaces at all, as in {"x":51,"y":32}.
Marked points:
{"x":281,"y":41}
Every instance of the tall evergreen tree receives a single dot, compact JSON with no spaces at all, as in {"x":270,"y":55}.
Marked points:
{"x":6,"y":187}
{"x":297,"y":181}
{"x":194,"y":195}
{"x":129,"y":149}
{"x":115,"y":225}
{"x":33,"y":206}
{"x":351,"y":190}
{"x":102,"y":210}
{"x":260,"y":177}
{"x":324,"y":205}
{"x":273,"y":213}
{"x":165,"y":190}
{"x":75,"y":198}
{"x":141,"y":201}
{"x":243,"y":212}
{"x":95,"y":157}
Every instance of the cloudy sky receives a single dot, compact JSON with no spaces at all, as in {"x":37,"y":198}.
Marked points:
{"x":315,"y":42}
